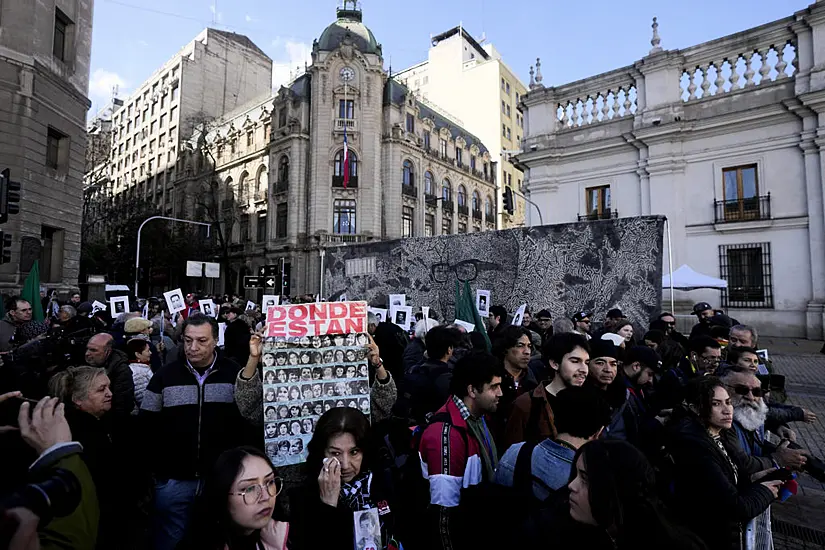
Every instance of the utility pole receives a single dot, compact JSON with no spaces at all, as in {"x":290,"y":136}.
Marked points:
{"x":147,"y":220}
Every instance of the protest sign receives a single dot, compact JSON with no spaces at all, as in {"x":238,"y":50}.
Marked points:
{"x":380,"y":313}
{"x":402,"y":316}
{"x":483,"y":303}
{"x":425,"y":312}
{"x":119,"y":304}
{"x":98,"y":306}
{"x":469,"y":327}
{"x":250,"y":305}
{"x":269,"y":300}
{"x":208,"y":308}
{"x":314,"y":359}
{"x":174,"y":300}
{"x":518,"y":317}
{"x":397,"y":300}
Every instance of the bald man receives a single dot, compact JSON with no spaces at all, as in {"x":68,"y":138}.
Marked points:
{"x":100,"y":352}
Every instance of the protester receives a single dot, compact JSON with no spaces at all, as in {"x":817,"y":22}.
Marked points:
{"x":236,"y":337}
{"x":236,"y":507}
{"x":497,"y":321}
{"x":341,"y":485}
{"x":392,"y":340}
{"x":633,"y":420}
{"x":459,"y":454}
{"x":189,"y":418}
{"x":513,"y":348}
{"x":532,"y":413}
{"x":142,"y":328}
{"x":667,"y":324}
{"x":140,"y":356}
{"x":703,"y":312}
{"x":17,"y":327}
{"x":653,"y":339}
{"x":582,"y":323}
{"x":414,"y":352}
{"x":543,"y":325}
{"x":100,"y":352}
{"x":580,"y":415}
{"x":707,"y":474}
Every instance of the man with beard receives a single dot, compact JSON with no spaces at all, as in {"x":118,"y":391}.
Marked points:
{"x":532,"y":415}
{"x":703,"y":312}
{"x":633,"y":419}
{"x":666,"y":323}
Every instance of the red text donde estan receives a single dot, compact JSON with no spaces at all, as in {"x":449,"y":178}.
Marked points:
{"x":316,"y":319}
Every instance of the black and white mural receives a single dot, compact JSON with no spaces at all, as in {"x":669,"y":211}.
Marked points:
{"x":588,"y":266}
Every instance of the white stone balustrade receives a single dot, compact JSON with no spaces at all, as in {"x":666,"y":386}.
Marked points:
{"x":600,"y":99}
{"x":745,"y":60}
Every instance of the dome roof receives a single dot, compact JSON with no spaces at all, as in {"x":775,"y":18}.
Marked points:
{"x":349,"y":25}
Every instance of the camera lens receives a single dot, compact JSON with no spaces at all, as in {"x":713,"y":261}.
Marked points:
{"x":55,"y":496}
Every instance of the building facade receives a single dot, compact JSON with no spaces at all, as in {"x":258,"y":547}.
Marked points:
{"x":724,"y":139}
{"x":45,"y":50}
{"x":276,"y":169}
{"x":474,"y":83}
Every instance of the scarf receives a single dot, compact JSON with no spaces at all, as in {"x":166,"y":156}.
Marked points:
{"x":489,"y":456}
{"x":355,"y":495}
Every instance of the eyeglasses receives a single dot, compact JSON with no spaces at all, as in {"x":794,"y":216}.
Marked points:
{"x":252,"y":494}
{"x":743,"y":390}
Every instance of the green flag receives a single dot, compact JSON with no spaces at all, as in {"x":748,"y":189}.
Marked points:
{"x":31,"y":291}
{"x":465,"y":310}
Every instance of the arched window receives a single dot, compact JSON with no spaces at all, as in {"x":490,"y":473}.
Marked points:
{"x":462,"y":196}
{"x":408,"y":173}
{"x":446,"y":190}
{"x":229,"y":193}
{"x":488,"y":207}
{"x":283,"y":169}
{"x":338,"y":169}
{"x":428,"y":183}
{"x":476,"y":202}
{"x":261,"y":182}
{"x":242,"y":186}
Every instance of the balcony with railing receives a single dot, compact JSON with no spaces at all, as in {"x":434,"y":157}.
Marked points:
{"x":447,"y":206}
{"x":409,"y":190}
{"x":464,"y":210}
{"x":331,"y":238}
{"x":743,"y":210}
{"x":595,"y":216}
{"x":431,"y":200}
{"x":281,"y":187}
{"x":338,"y":182}
{"x":477,"y":214}
{"x":348,"y":124}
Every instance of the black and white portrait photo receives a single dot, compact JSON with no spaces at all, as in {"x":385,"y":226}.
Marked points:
{"x":174,"y":300}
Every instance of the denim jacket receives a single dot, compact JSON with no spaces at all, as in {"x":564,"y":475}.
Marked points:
{"x":550,"y":466}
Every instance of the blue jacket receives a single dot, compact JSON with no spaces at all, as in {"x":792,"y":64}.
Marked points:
{"x":550,"y":467}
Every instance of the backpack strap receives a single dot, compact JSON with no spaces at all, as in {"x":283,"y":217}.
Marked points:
{"x":445,"y":418}
{"x":523,"y":470}
{"x":531,"y":431}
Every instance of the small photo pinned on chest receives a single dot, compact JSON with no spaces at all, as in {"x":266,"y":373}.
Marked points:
{"x":367,"y":530}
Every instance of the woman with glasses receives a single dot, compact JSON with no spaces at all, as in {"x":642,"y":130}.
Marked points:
{"x":709,"y":470}
{"x":235,"y":511}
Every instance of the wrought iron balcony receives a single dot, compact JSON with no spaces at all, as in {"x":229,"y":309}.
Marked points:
{"x":447,"y":206}
{"x":431,"y":200}
{"x":743,"y":210}
{"x":409,"y":190}
{"x":463,"y":209}
{"x":477,"y":214}
{"x":593,"y":216}
{"x":281,"y":187}
{"x":338,"y":181}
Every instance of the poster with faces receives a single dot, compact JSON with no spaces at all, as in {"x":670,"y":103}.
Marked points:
{"x":119,"y":304}
{"x":483,"y":302}
{"x":268,"y":301}
{"x":208,"y":308}
{"x":380,"y":313}
{"x":402,"y":316}
{"x":305,"y":376}
{"x":174,"y":300}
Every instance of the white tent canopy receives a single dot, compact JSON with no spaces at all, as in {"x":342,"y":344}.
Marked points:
{"x":686,"y":278}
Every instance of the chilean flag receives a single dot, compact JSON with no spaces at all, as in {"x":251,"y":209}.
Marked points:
{"x":346,"y":159}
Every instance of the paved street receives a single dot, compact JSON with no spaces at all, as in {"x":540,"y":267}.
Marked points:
{"x":799,"y":524}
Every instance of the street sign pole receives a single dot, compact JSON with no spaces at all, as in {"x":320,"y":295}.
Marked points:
{"x":147,"y":220}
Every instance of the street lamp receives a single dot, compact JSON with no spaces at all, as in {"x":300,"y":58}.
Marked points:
{"x":147,"y":220}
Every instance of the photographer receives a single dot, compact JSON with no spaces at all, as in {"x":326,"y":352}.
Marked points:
{"x":65,"y":492}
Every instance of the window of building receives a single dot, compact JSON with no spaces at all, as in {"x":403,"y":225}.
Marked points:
{"x":426,"y":80}
{"x":283,"y":169}
{"x":338,"y":168}
{"x":747,"y":269}
{"x":152,"y":145}
{"x":260,"y":228}
{"x":57,"y":148}
{"x":174,"y":92}
{"x":343,"y":217}
{"x":249,"y":139}
{"x":502,"y":84}
{"x":446,"y":190}
{"x":486,"y":168}
{"x":476,"y":202}
{"x":173,"y":112}
{"x":446,"y":226}
{"x":598,"y":199}
{"x":510,"y":180}
{"x":408,"y":173}
{"x":407,"y":223}
{"x":153,"y":127}
{"x":346,"y":108}
{"x":282,"y":117}
{"x":280,"y":220}
{"x":458,"y":156}
{"x":426,"y":139}
{"x":509,"y":134}
{"x":163,"y":121}
{"x":504,"y":130}
{"x":163,"y":101}
{"x":518,"y":97}
{"x":62,"y":29}
{"x":151,"y":166}
{"x":51,"y":254}
{"x":508,"y":111}
{"x":503,"y":107}
{"x":145,"y":116}
{"x":410,"y":122}
{"x":244,"y":225}
{"x":429,"y":225}
{"x":267,"y":132}
{"x":152,"y":112}
{"x":741,"y":192}
{"x":443,"y":147}
{"x":488,"y":207}
{"x":462,"y":227}
{"x":462,"y":196}
{"x":428,"y":183}
{"x":472,"y":162}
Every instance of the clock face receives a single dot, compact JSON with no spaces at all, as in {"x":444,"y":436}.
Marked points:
{"x":347,"y":74}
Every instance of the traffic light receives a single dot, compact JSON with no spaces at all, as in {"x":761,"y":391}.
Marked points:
{"x":509,"y":200}
{"x":5,"y":247}
{"x":9,"y":196}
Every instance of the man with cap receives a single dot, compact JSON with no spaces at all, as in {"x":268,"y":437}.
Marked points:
{"x":704,"y":313}
{"x":604,"y":363}
{"x":543,"y":325}
{"x":632,"y":418}
{"x":581,"y":324}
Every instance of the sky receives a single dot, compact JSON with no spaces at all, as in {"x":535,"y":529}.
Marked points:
{"x":133,"y":38}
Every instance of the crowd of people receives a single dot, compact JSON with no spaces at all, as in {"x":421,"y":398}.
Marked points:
{"x":558,"y":433}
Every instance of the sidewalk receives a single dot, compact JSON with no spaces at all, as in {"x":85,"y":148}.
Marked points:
{"x":799,"y":523}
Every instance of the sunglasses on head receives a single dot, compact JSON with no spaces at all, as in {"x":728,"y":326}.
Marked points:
{"x":745,"y":390}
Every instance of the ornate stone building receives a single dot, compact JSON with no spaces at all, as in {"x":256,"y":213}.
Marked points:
{"x":279,"y":195}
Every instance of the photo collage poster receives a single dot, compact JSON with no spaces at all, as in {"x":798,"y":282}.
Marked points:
{"x":314,"y":359}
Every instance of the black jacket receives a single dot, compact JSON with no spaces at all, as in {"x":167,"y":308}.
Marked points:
{"x":236,"y":341}
{"x":423,"y":390}
{"x":708,"y":497}
{"x":392,"y":341}
{"x":187,"y":425}
{"x":413,"y":354}
{"x":121,"y":384}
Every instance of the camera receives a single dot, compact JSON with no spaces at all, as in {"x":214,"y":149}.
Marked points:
{"x":56,"y":495}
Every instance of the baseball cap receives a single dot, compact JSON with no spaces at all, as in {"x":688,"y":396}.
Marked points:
{"x":700,"y":307}
{"x":644,"y":355}
{"x":615,"y":313}
{"x":603,"y":348}
{"x":543,"y":314}
{"x":580,"y":315}
{"x":135,"y":325}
